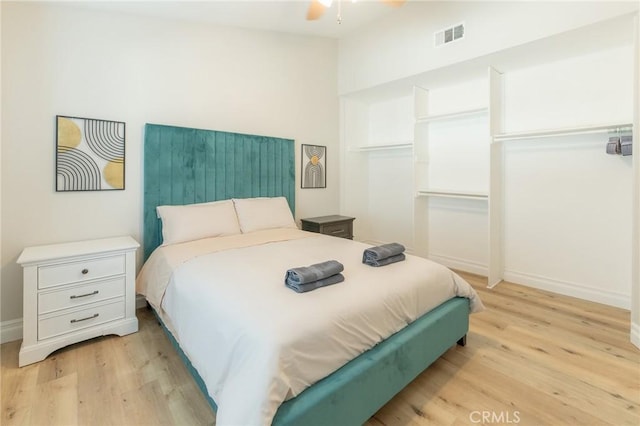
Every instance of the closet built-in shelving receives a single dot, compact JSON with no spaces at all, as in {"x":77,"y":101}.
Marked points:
{"x":450,"y":135}
{"x":422,"y":148}
{"x":378,"y":123}
{"x":510,"y":100}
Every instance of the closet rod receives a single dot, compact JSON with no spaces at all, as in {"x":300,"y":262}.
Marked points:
{"x":390,"y":146}
{"x":581,"y":130}
{"x":452,"y":194}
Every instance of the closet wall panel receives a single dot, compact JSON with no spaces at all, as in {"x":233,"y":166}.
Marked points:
{"x":567,"y":204}
{"x":568,"y":217}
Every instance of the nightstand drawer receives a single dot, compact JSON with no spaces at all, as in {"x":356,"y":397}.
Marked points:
{"x":81,"y":295}
{"x":55,"y":325}
{"x":54,"y":275}
{"x":334,"y":225}
{"x":338,"y":230}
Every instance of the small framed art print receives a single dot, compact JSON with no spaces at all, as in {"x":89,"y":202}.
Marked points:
{"x":314,"y":169}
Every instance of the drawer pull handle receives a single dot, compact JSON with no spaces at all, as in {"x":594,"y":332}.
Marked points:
{"x":85,"y":271}
{"x":84,"y":295}
{"x":339,"y":231}
{"x":73,"y":321}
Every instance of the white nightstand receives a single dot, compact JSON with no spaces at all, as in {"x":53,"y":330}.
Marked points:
{"x":76,"y":291}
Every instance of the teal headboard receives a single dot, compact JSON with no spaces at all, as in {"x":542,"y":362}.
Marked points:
{"x":185,"y":166}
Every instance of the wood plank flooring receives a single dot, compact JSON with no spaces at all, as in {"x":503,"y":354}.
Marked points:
{"x":533,"y":358}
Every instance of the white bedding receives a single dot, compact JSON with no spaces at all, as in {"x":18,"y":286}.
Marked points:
{"x":257,"y":343}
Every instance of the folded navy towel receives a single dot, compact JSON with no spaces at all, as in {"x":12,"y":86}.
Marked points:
{"x":384,"y":251}
{"x":315,"y":272}
{"x":303,"y":288}
{"x":386,"y":261}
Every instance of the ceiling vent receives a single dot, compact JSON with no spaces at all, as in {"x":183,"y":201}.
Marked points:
{"x":448,"y":35}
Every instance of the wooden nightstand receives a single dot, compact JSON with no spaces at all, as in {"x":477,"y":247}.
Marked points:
{"x":337,"y":226}
{"x":76,"y":291}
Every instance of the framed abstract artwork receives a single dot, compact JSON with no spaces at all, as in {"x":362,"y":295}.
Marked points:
{"x":314,"y":169}
{"x":89,"y":154}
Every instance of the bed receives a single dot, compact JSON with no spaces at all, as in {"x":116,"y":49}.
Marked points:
{"x":260,"y":352}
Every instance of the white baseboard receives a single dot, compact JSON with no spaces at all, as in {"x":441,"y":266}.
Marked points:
{"x":10,"y":330}
{"x":566,"y":288}
{"x":635,"y":334}
{"x":465,"y":265}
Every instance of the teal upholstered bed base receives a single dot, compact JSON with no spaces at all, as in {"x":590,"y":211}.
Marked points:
{"x":184,"y":166}
{"x":356,"y":391}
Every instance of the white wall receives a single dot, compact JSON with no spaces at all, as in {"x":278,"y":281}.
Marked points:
{"x":62,"y":60}
{"x":401,"y":44}
{"x":568,"y":218}
{"x":374,"y":185}
{"x":389,"y":214}
{"x":577,"y":91}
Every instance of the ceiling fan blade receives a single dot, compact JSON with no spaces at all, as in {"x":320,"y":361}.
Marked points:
{"x":316,"y":9}
{"x":394,"y":3}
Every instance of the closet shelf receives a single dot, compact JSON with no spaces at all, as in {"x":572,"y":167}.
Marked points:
{"x":452,"y":115}
{"x":390,"y":146}
{"x":567,"y":131}
{"x":470,"y":195}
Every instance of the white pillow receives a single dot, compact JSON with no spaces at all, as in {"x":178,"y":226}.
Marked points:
{"x":255,"y":214}
{"x":197,"y":221}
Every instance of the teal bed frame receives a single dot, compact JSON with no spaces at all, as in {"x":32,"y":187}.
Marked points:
{"x":353,"y":393}
{"x":184,"y":166}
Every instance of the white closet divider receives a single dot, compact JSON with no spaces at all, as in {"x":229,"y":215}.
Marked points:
{"x":420,"y":175}
{"x":496,"y":184}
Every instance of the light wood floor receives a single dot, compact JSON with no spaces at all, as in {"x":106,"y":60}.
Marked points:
{"x":533,"y":358}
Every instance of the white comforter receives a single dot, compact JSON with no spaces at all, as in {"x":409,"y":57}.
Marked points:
{"x":257,"y":343}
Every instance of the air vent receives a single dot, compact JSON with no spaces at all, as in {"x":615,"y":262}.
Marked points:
{"x":448,"y":35}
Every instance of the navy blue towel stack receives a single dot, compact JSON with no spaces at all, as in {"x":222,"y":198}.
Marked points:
{"x":383,"y":255}
{"x":307,"y":278}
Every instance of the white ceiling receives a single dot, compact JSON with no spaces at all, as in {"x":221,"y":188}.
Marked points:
{"x":276,"y":15}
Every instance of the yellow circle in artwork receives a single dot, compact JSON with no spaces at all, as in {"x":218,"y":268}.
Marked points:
{"x":315,"y":160}
{"x":68,"y":134}
{"x":114,"y":174}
